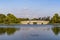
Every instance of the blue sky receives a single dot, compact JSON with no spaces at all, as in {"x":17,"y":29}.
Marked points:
{"x":30,"y":8}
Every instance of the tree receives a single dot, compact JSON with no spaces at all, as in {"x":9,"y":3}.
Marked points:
{"x":11,"y":15}
{"x":12,"y":19}
{"x":2,"y":18}
{"x":39,"y":18}
{"x":47,"y":18}
{"x":55,"y":18}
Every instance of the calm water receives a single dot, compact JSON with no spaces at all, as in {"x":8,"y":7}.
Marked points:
{"x":29,"y":32}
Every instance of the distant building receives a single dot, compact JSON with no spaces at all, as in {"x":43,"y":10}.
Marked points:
{"x":34,"y":22}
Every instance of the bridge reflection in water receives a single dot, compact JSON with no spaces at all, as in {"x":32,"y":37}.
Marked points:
{"x":30,"y":33}
{"x":9,"y":31}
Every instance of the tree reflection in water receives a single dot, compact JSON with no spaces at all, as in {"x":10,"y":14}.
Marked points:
{"x":9,"y":31}
{"x":56,"y":30}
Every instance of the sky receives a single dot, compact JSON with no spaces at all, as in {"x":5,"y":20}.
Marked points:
{"x":30,"y":8}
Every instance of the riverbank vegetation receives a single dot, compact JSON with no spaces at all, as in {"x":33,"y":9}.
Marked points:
{"x":11,"y":19}
{"x":55,"y":19}
{"x":8,"y":19}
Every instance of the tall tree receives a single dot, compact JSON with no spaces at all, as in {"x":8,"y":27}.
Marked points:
{"x":55,"y":18}
{"x":2,"y":18}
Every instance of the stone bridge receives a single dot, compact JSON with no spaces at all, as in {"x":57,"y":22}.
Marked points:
{"x":34,"y":22}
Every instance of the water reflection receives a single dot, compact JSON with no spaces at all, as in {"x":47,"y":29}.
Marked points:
{"x":56,"y":30}
{"x":30,"y":33}
{"x":9,"y":31}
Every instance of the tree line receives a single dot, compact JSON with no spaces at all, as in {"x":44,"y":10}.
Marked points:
{"x":54,"y":19}
{"x":11,"y":19}
{"x":42,"y":18}
{"x":8,"y":19}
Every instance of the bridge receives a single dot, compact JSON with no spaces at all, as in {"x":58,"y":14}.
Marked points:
{"x":34,"y":22}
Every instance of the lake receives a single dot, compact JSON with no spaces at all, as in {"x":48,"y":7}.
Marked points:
{"x":29,"y":32}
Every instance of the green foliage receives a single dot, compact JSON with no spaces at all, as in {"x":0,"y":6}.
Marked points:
{"x":23,"y":19}
{"x":9,"y":19}
{"x":2,"y":18}
{"x":42,"y":18}
{"x":55,"y":18}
